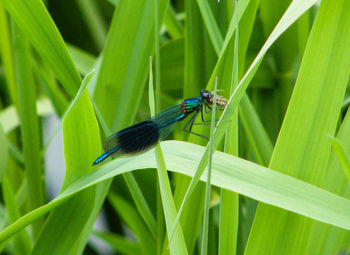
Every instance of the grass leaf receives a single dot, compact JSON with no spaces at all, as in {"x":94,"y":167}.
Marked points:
{"x":229,"y":172}
{"x":65,"y":223}
{"x":302,"y":148}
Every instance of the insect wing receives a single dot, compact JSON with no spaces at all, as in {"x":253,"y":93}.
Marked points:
{"x":144,"y":135}
{"x":167,"y":120}
{"x":111,"y":142}
{"x":138,"y":137}
{"x":168,"y":116}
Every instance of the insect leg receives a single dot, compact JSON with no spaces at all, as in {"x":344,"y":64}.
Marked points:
{"x":205,"y":108}
{"x":191,"y":122}
{"x":205,"y":122}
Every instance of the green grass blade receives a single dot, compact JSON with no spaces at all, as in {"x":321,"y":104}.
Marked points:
{"x":291,"y":15}
{"x":172,"y":64}
{"x":84,"y":61}
{"x":211,"y":25}
{"x":157,"y":55}
{"x":256,"y":133}
{"x":205,"y":231}
{"x":7,"y":55}
{"x":141,"y":203}
{"x":302,"y":149}
{"x":342,"y":156}
{"x":177,"y":244}
{"x":121,"y":72}
{"x":71,"y":105}
{"x":197,"y":68}
{"x":134,"y":189}
{"x":152,"y":106}
{"x":22,"y":243}
{"x":120,"y":84}
{"x":239,"y":11}
{"x":16,"y":154}
{"x":94,"y":20}
{"x":29,"y":123}
{"x":151,"y":101}
{"x":229,"y":201}
{"x":228,"y":228}
{"x":51,"y":88}
{"x":196,"y":62}
{"x":134,"y":222}
{"x":287,"y":45}
{"x":173,"y":26}
{"x":303,"y":32}
{"x":327,"y":239}
{"x":102,"y":189}
{"x":35,"y":22}
{"x":64,"y":225}
{"x":4,"y":152}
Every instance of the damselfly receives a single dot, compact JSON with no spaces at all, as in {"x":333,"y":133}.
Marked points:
{"x":144,"y":135}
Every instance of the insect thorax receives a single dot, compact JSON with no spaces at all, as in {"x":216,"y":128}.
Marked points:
{"x":191,"y":104}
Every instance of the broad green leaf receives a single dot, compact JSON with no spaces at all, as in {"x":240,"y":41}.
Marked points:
{"x":229,"y":172}
{"x":303,"y":148}
{"x":35,"y":22}
{"x":81,"y":147}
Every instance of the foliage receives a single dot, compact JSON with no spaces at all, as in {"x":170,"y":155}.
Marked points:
{"x":277,"y":186}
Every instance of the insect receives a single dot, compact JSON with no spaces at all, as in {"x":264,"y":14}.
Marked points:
{"x":144,"y":135}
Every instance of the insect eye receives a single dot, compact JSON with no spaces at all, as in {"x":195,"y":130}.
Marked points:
{"x":205,"y":94}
